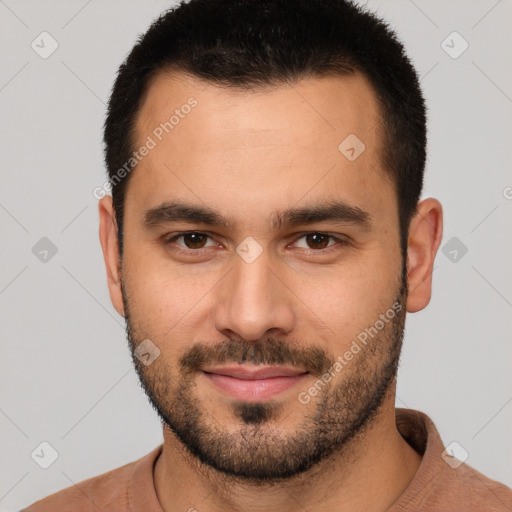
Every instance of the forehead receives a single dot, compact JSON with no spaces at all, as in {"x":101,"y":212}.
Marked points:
{"x":244,"y":146}
{"x":327,"y":103}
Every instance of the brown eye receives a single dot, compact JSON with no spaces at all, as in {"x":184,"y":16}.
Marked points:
{"x":318,"y":243}
{"x":194,"y":240}
{"x":317,"y":240}
{"x":191,"y":241}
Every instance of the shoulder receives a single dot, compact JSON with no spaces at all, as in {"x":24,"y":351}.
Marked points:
{"x":473,"y":489}
{"x":443,"y":482}
{"x":92,"y":494}
{"x":106,"y":492}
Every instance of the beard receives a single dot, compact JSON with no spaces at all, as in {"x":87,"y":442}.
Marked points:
{"x":255,"y":448}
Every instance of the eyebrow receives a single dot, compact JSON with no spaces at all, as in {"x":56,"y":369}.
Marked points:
{"x":330,"y":211}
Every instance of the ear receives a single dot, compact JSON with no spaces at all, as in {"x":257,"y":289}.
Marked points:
{"x":109,"y":245}
{"x":425,"y":233}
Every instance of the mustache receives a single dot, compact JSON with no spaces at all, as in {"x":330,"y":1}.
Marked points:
{"x":269,"y":351}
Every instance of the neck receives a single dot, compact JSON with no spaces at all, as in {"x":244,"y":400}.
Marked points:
{"x":368,"y":474}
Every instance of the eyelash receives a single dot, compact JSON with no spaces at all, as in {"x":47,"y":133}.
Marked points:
{"x":172,"y":238}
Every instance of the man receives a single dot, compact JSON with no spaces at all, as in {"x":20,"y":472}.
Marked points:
{"x":264,"y":240}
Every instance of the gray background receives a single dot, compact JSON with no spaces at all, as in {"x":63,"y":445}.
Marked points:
{"x":67,"y":377}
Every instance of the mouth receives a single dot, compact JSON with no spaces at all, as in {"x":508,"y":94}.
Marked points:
{"x":253,"y":384}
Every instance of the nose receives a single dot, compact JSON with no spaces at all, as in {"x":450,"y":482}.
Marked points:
{"x":253,"y":301}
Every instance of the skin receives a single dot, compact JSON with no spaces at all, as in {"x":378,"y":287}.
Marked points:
{"x":248,"y":154}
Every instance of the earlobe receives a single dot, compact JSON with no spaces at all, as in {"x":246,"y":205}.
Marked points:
{"x":109,"y":243}
{"x":425,"y":234}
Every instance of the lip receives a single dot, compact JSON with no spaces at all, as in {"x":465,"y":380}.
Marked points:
{"x":256,"y":373}
{"x":253,"y":384}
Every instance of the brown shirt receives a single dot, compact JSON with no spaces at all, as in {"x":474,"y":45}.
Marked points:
{"x":440,"y":484}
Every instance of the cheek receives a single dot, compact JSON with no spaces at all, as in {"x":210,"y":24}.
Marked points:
{"x":350,"y":298}
{"x":165,"y":297}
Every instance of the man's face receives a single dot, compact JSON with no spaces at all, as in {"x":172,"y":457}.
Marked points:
{"x":266,"y":288}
